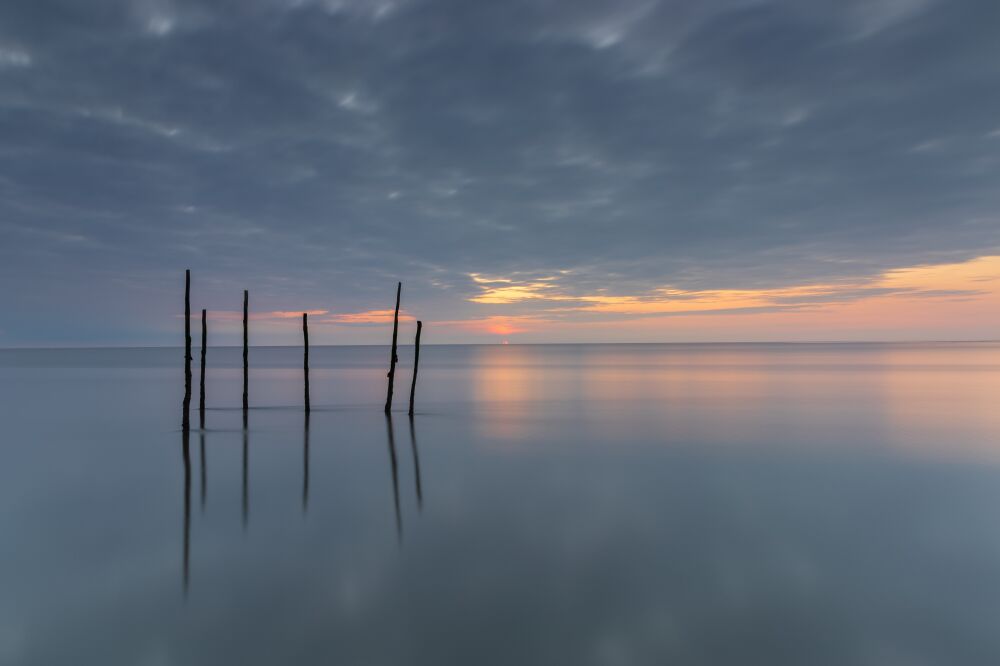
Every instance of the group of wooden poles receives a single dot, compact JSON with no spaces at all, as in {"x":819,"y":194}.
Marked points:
{"x":186,"y":419}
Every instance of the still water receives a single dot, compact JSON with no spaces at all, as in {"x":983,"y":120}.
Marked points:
{"x":578,"y":504}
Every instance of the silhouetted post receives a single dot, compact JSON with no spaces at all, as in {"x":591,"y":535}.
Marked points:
{"x":305,"y":357}
{"x":416,"y":362}
{"x":204,"y":345}
{"x":186,"y":419}
{"x":246,"y":356}
{"x":393,"y":358}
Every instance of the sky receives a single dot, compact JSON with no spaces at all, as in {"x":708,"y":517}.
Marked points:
{"x":531,"y":170}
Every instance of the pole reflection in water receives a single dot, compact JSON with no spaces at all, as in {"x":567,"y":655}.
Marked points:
{"x":186,"y":452}
{"x":416,"y":465}
{"x":246,"y":495}
{"x":395,"y":477}
{"x":204,"y":478}
{"x":305,"y":464}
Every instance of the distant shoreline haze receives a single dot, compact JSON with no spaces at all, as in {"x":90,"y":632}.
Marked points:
{"x":713,"y":343}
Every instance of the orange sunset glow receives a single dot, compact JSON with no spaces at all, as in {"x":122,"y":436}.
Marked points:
{"x":953,"y":301}
{"x":960,"y":300}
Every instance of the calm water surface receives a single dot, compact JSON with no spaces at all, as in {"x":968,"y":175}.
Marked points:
{"x":592,"y":504}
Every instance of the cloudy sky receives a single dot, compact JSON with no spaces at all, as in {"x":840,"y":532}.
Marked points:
{"x":532,"y":170}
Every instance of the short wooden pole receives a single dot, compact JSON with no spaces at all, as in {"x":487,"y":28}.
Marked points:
{"x":204,"y":346}
{"x":416,"y":363}
{"x":246,"y":356}
{"x":305,"y":355}
{"x":186,"y":417}
{"x":393,"y":358}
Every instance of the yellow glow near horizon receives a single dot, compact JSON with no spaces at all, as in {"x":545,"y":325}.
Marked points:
{"x":367,"y":317}
{"x":963,"y":280}
{"x":954,"y":300}
{"x":957,"y":301}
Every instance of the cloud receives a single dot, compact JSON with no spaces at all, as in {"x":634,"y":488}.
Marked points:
{"x":277,"y":315}
{"x":367,"y":317}
{"x":14,"y":57}
{"x":951,"y":281}
{"x":496,"y":324}
{"x":873,"y":16}
{"x":323,"y":150}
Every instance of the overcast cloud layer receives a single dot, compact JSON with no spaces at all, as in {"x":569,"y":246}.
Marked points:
{"x":316,"y":151}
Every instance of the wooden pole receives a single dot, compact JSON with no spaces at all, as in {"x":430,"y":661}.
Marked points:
{"x":204,"y":345}
{"x":393,"y":358}
{"x":246,"y":356}
{"x":186,"y":418}
{"x":416,"y":363}
{"x":305,"y":356}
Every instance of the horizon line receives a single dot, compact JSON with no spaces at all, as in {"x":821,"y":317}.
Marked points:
{"x":528,"y":344}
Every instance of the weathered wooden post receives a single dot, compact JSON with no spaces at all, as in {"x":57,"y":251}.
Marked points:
{"x":305,"y":356}
{"x":416,"y":363}
{"x":246,"y":356}
{"x":204,"y":345}
{"x":186,"y":417}
{"x":393,"y":358}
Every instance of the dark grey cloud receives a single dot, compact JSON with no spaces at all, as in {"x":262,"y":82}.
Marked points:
{"x":315,"y":151}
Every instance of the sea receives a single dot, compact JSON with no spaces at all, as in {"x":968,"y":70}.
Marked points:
{"x":723,"y":504}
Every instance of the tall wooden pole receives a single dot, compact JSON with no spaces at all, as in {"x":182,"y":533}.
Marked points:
{"x":186,"y":418}
{"x":305,"y":356}
{"x":246,"y":356}
{"x":416,"y":363}
{"x":204,"y":345}
{"x":393,"y":358}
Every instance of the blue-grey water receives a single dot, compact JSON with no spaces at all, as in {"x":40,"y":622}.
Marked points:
{"x":578,"y":504}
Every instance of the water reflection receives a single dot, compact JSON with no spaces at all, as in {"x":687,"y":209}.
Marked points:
{"x":416,"y":465}
{"x":751,"y":511}
{"x":246,"y":492}
{"x":305,"y":464}
{"x":204,"y":472}
{"x":186,"y":453}
{"x":395,"y":477}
